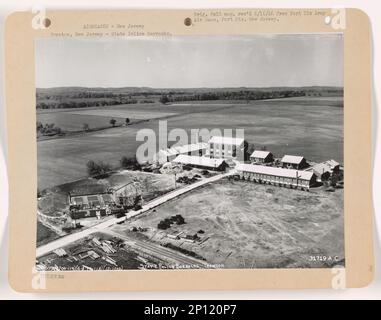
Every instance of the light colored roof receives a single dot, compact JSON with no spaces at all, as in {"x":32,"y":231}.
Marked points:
{"x":260,"y":154}
{"x":321,"y":168}
{"x":274,"y":171}
{"x":184,"y":149}
{"x":226,"y":140}
{"x":332,"y":163}
{"x":292,"y":159}
{"x":199,"y":161}
{"x":325,"y":166}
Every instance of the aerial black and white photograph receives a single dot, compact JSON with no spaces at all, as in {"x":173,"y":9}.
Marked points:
{"x":190,"y":152}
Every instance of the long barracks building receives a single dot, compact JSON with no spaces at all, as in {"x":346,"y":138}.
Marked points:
{"x":277,"y":176}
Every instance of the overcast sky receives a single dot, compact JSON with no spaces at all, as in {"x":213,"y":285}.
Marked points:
{"x":186,"y":62}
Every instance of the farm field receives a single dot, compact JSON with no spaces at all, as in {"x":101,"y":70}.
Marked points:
{"x":99,"y":117}
{"x":257,"y":226}
{"x":123,"y":113}
{"x":312,"y":127}
{"x":74,"y":122}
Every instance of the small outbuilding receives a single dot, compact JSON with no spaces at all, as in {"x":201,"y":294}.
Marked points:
{"x":261,"y":157}
{"x":294,"y":162}
{"x":167,"y":155}
{"x":201,"y":162}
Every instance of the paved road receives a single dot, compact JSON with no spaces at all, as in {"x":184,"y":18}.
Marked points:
{"x":64,"y":241}
{"x":160,"y":252}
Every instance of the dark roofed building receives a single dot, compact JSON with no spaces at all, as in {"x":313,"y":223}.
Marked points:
{"x":259,"y":156}
{"x":201,"y":162}
{"x":294,"y":162}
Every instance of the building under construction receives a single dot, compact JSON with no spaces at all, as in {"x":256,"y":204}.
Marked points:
{"x":112,"y":200}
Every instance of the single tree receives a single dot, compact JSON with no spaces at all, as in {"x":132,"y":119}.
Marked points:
{"x":164,"y":99}
{"x":130,"y":163}
{"x":127,"y":121}
{"x":92,"y":168}
{"x":248,"y":150}
{"x":39,"y":126}
{"x":113,"y":122}
{"x":334,"y":180}
{"x":86,"y":127}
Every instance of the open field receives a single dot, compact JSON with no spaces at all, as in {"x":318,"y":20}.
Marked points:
{"x":72,"y":119}
{"x":312,"y":127}
{"x":74,"y":122}
{"x":45,"y":234}
{"x":256,"y":226}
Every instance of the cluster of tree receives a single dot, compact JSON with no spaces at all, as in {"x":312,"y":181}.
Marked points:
{"x":83,"y":94}
{"x":187,"y":180}
{"x":97,"y":168}
{"x":130,"y":163}
{"x":336,"y":178}
{"x":183,"y":251}
{"x":113,"y":122}
{"x":164,"y":99}
{"x":83,"y":104}
{"x":167,"y":222}
{"x":47,"y":129}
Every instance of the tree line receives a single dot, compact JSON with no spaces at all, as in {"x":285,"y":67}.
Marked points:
{"x":246,"y":95}
{"x":94,"y":99}
{"x":82,"y":104}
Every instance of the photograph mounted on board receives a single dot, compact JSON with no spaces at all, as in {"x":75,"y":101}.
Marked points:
{"x":190,"y":152}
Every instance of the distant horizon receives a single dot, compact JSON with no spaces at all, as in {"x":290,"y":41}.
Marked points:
{"x":190,"y":88}
{"x":250,"y":61}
